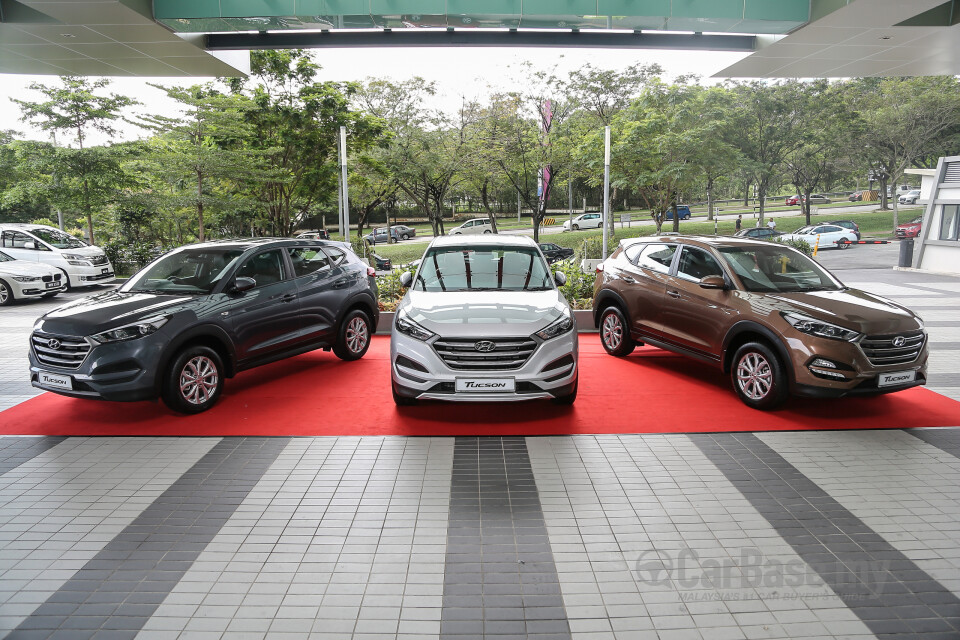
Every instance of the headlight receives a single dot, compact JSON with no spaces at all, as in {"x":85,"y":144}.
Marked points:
{"x":814,"y":327}
{"x":26,"y":278}
{"x":80,"y":263}
{"x":556,"y":328}
{"x":408,"y":327}
{"x":131,"y":331}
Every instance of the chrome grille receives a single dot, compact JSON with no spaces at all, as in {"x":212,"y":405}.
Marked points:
{"x":881,"y":351}
{"x":98,"y":260}
{"x":507,"y":353}
{"x":69,"y":355}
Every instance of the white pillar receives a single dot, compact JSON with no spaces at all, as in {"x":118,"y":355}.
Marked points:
{"x":343,"y":179}
{"x":607,"y":223}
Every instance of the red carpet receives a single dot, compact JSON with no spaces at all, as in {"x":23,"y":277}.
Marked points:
{"x":316,"y":394}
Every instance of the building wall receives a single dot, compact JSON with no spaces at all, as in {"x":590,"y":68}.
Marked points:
{"x":940,"y":243}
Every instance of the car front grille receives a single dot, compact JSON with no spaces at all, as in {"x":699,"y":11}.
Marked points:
{"x":67,"y":352}
{"x":54,"y":278}
{"x":98,"y":260}
{"x":462,"y":353}
{"x":882,"y":351}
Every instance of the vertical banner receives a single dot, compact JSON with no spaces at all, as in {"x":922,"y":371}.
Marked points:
{"x":543,"y":177}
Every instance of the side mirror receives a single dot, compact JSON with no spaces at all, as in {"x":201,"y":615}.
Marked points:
{"x":30,"y":245}
{"x":242,"y":284}
{"x":406,"y":278}
{"x":560,"y":278}
{"x":713,"y":282}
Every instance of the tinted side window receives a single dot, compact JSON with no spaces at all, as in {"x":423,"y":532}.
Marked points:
{"x":337,"y":257}
{"x":266,"y":268}
{"x":696,"y":264}
{"x":16,"y":240}
{"x":657,"y":257}
{"x":307,"y":260}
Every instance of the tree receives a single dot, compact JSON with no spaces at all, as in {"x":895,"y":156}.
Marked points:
{"x":296,"y":122}
{"x":205,"y":145}
{"x":74,"y":110}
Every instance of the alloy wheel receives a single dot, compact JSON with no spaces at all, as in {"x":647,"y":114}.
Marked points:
{"x":612,"y":331}
{"x":4,"y":293}
{"x":357,"y":334}
{"x":198,"y":379}
{"x":754,"y":376}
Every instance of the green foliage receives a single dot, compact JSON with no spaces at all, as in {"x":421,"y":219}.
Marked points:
{"x":578,"y":289}
{"x":800,"y":245}
{"x":389,"y":289}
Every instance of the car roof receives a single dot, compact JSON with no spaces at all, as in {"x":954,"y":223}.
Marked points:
{"x":25,"y":225}
{"x":711,"y":241}
{"x":483,"y":240}
{"x":249,"y":243}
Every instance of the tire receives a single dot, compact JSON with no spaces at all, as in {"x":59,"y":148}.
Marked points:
{"x":487,"y":231}
{"x":353,"y":338}
{"x":393,"y":240}
{"x":576,"y":227}
{"x":201,"y":365}
{"x":615,"y":333}
{"x":758,"y":376}
{"x":405,"y":237}
{"x":66,"y":280}
{"x":842,"y":244}
{"x":402,"y":401}
{"x":6,"y":294}
{"x":570,"y":398}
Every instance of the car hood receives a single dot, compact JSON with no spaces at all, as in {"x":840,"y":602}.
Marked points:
{"x":109,"y":310}
{"x":853,"y":309}
{"x":484,"y":313}
{"x":909,"y":225}
{"x":86,"y":252}
{"x":24,"y":268}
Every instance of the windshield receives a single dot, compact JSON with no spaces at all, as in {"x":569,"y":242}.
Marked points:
{"x":803,"y":230}
{"x":189,"y":271}
{"x":771,"y":269}
{"x":58,"y":239}
{"x":488,"y":268}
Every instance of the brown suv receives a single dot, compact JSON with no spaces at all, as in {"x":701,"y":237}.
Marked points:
{"x":772,"y":317}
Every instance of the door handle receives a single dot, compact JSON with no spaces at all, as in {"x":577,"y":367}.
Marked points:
{"x":288,"y":298}
{"x":673,"y":294}
{"x":628,"y":279}
{"x":340,"y":284}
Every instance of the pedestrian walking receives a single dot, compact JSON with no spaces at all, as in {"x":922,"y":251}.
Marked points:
{"x":739,"y":222}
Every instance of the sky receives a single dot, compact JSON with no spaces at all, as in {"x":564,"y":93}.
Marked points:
{"x":466,"y":72}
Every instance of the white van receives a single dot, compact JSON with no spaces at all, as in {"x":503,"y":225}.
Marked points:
{"x":476,"y":225}
{"x":83,"y":265}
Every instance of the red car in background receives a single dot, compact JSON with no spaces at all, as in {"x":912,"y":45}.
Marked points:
{"x":792,"y":200}
{"x":909,"y":229}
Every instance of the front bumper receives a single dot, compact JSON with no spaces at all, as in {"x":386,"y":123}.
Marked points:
{"x":123,"y":372}
{"x":34,"y":289}
{"x":860,"y":376}
{"x":550,"y":372}
{"x":88,"y":276}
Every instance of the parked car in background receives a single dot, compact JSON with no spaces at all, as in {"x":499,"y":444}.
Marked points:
{"x":758,"y":233}
{"x":815,"y":198}
{"x":584,"y":221}
{"x":403,"y":231}
{"x":683,"y":212}
{"x":382,"y":235}
{"x":856,"y":196}
{"x":910,"y":197}
{"x":792,"y":200}
{"x":848,"y":224}
{"x":318,"y":234}
{"x":822,"y":236}
{"x":474,"y":226}
{"x":21,"y":279}
{"x":81,"y":264}
{"x":483,"y":321}
{"x":554,"y":252}
{"x":201,"y":314}
{"x":909,"y":229}
{"x":381,"y":263}
{"x":773,"y":319}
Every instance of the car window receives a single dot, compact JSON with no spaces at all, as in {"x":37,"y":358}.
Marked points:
{"x":16,"y":240}
{"x":186,"y":271}
{"x":468,"y":223}
{"x":307,"y":260}
{"x":5,"y":258}
{"x":488,"y":268}
{"x":696,"y":264}
{"x":772,"y":268}
{"x":657,"y":257}
{"x":266,"y":268}
{"x":337,"y":256}
{"x":633,"y":251}
{"x":57,"y":238}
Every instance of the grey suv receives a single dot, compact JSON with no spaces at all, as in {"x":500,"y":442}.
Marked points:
{"x":203,"y":313}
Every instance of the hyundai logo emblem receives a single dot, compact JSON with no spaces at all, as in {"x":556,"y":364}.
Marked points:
{"x":53,"y":343}
{"x":899,"y":341}
{"x":484,"y":346}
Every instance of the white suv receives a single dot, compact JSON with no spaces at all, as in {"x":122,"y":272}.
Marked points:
{"x":82,"y":264}
{"x":483,"y":321}
{"x":911,"y":197}
{"x":477,"y":225}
